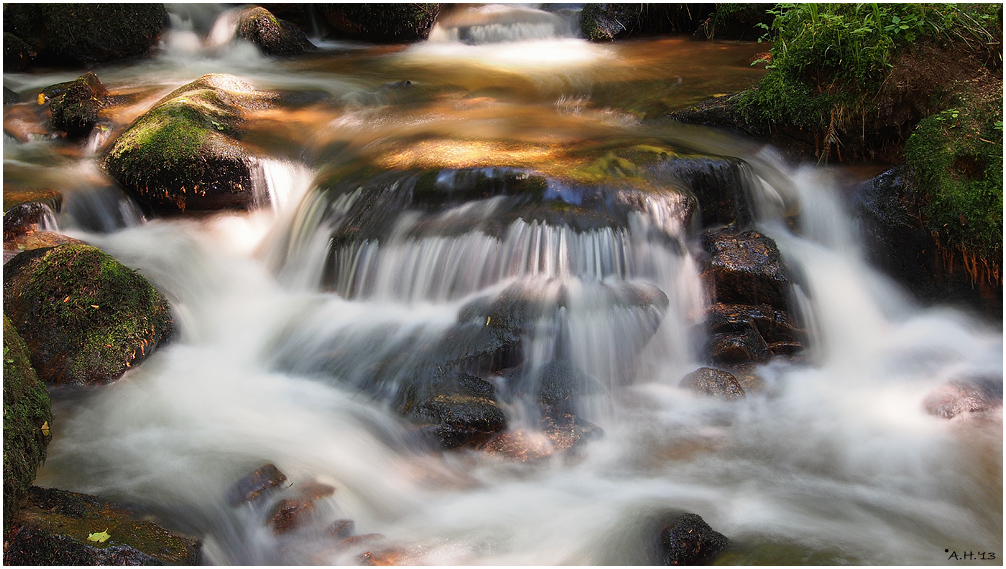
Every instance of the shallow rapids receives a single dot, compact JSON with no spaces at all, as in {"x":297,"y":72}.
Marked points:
{"x":303,"y":321}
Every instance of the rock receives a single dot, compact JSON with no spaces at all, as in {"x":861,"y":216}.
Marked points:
{"x":10,"y":97}
{"x":888,"y":211}
{"x":84,"y":316}
{"x":185,"y":153}
{"x":17,"y":55}
{"x":688,"y":540}
{"x":73,"y":34}
{"x":745,"y":268}
{"x":272,"y":35}
{"x":54,"y":527}
{"x":36,"y":240}
{"x":959,"y":397}
{"x":25,"y":218}
{"x":719,"y":188}
{"x":714,"y":382}
{"x":560,"y":384}
{"x":289,"y":514}
{"x":458,"y":420}
{"x":27,"y":420}
{"x":255,"y":483}
{"x":340,"y":529}
{"x":567,"y":431}
{"x":75,"y":105}
{"x":611,"y":21}
{"x":381,"y":23}
{"x":742,"y":333}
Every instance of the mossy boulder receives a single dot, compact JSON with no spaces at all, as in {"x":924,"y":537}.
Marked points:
{"x":27,"y":418}
{"x":86,"y":33}
{"x":85,"y":317}
{"x":381,"y":23}
{"x":272,"y":35}
{"x":185,"y":152}
{"x":17,"y":54}
{"x":66,"y":528}
{"x":75,"y":105}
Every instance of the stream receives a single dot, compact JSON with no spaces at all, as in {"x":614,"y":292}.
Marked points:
{"x":299,"y":320}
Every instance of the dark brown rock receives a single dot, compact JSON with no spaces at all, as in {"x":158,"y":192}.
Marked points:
{"x":742,"y":333}
{"x":289,"y":514}
{"x":688,"y":540}
{"x":714,"y":382}
{"x":75,"y":105}
{"x":745,"y":268}
{"x":458,"y":420}
{"x":255,"y":483}
{"x":959,"y":397}
{"x":54,"y":528}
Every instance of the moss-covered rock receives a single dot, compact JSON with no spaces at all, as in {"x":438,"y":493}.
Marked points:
{"x":185,"y":153}
{"x":17,"y":54}
{"x":272,"y":35}
{"x":75,"y":104}
{"x":85,"y":33}
{"x":66,"y":528}
{"x":27,"y":418}
{"x":381,"y":23}
{"x":613,"y":21}
{"x":84,"y":316}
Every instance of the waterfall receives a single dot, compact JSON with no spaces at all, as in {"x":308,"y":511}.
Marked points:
{"x":499,"y":23}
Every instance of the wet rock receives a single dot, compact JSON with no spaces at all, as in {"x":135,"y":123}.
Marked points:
{"x":271,"y":34}
{"x":69,"y":34}
{"x":714,"y":382}
{"x":719,"y":187}
{"x":76,"y":105}
{"x":85,"y":317}
{"x":561,"y":383}
{"x":255,"y":483}
{"x":959,"y":397}
{"x":17,"y":55}
{"x":381,"y":23}
{"x":745,"y":268}
{"x":185,"y":152}
{"x":54,"y":529}
{"x":9,"y":97}
{"x":35,"y":240}
{"x":742,"y":333}
{"x":888,"y":212}
{"x":340,"y":528}
{"x":289,"y":514}
{"x":567,"y":431}
{"x":25,"y":218}
{"x":688,"y":540}
{"x":27,"y":420}
{"x":458,"y":420}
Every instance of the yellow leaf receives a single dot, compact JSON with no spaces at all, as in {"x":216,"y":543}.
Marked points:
{"x":41,"y":98}
{"x":45,"y":428}
{"x":99,"y":537}
{"x":488,"y":318}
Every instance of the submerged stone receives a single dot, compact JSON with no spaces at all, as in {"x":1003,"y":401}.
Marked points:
{"x":255,"y":483}
{"x":85,"y":317}
{"x":27,"y":422}
{"x":66,"y":528}
{"x":289,"y":514}
{"x":745,"y":268}
{"x":959,"y":397}
{"x":714,"y":382}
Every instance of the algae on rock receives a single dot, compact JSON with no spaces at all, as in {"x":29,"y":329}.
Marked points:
{"x":85,"y":317}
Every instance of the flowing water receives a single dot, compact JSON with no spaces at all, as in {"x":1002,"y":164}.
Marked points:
{"x":543,"y":167}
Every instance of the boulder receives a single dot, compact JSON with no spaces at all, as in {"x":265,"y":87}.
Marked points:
{"x":27,"y":419}
{"x":17,"y":55}
{"x":85,"y":317}
{"x":719,"y":188}
{"x":255,"y":483}
{"x":959,"y":397}
{"x":381,"y":23}
{"x":714,"y":382}
{"x":65,"y":528}
{"x":288,"y":514}
{"x":458,"y":420}
{"x":25,"y":218}
{"x":272,"y":35}
{"x":742,"y":333}
{"x":688,"y":540}
{"x":75,"y":104}
{"x":10,"y":97}
{"x":745,"y":268}
{"x":74,"y":34}
{"x":185,"y":152}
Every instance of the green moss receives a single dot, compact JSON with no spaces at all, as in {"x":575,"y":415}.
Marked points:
{"x":85,"y":316}
{"x":26,"y":409}
{"x":957,"y":156}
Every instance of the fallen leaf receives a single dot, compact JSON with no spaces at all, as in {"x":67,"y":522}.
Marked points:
{"x":45,"y":428}
{"x":99,"y":537}
{"x":94,"y":306}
